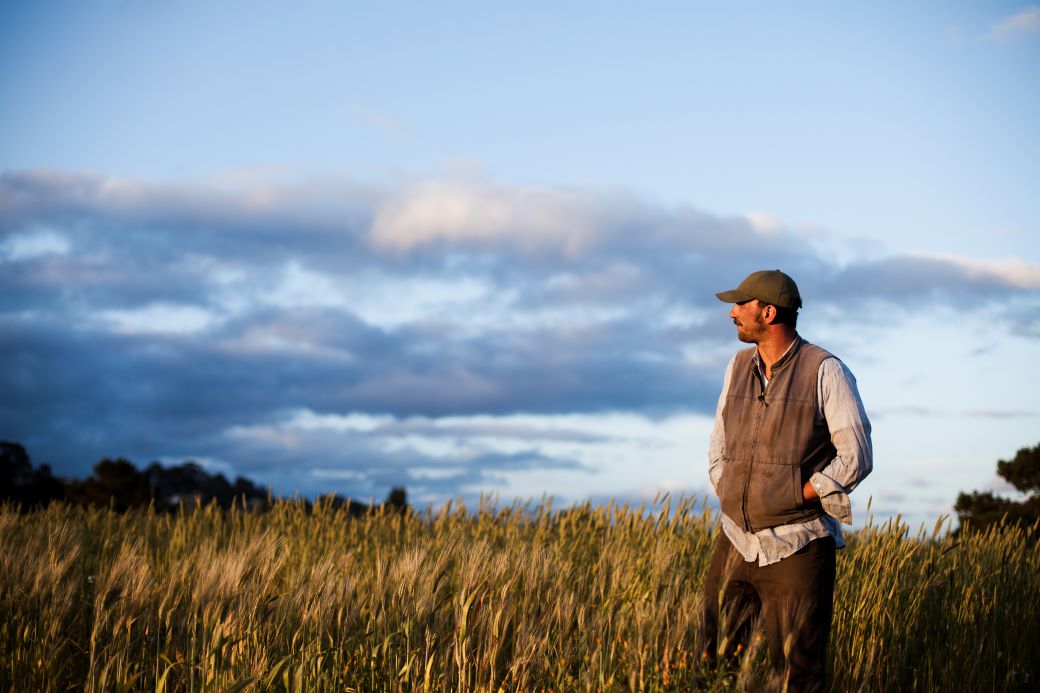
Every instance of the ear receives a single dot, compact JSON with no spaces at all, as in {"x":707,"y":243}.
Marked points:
{"x":769,"y":313}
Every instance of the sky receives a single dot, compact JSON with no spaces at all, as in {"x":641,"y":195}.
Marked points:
{"x":473,"y":249}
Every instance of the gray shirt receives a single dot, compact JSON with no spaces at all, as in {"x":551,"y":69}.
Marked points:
{"x":839,"y":405}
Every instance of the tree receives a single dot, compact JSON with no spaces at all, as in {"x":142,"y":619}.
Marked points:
{"x":397,"y":499}
{"x":118,"y":484}
{"x":23,"y":484}
{"x":15,"y":470}
{"x":189,"y":482}
{"x":1023,"y":472}
{"x":978,"y":510}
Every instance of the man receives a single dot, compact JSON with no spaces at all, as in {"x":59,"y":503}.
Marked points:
{"x":790,"y":442}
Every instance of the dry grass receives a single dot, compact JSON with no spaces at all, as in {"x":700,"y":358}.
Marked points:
{"x":520,"y":598}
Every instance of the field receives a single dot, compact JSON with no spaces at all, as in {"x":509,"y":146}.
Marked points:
{"x":519,"y":598}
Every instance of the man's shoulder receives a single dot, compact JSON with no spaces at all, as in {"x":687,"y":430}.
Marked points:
{"x":816,"y":352}
{"x":828,"y":365}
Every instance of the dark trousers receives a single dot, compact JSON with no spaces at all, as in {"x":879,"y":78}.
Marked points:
{"x":794,"y":599}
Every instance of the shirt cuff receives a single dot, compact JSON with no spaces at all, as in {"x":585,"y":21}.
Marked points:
{"x":833,"y":498}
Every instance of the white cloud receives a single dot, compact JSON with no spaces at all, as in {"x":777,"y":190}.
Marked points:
{"x":1016,"y":26}
{"x":483,"y":427}
{"x":763,"y":222}
{"x":302,"y":287}
{"x":159,"y":318}
{"x":1010,"y":271}
{"x":385,"y":300}
{"x":266,"y":434}
{"x":33,"y":244}
{"x":362,"y":423}
{"x":531,"y":219}
{"x":516,"y":454}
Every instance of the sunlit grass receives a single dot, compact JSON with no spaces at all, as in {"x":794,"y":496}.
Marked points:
{"x":516,"y":598}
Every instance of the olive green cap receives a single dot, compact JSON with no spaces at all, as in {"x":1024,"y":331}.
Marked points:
{"x":768,"y":286}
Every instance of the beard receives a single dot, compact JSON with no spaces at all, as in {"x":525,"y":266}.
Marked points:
{"x":750,"y":333}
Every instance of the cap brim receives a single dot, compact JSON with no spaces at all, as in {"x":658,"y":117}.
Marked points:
{"x":732,"y":296}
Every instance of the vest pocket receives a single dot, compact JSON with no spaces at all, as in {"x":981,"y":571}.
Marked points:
{"x":730,"y":489}
{"x":774,"y":494}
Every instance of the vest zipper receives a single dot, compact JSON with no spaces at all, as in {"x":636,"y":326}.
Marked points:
{"x":754,"y":448}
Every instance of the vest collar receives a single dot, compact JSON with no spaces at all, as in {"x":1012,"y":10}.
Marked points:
{"x":782,"y":362}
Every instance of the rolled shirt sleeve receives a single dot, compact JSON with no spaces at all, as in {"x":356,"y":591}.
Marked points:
{"x":842,"y":408}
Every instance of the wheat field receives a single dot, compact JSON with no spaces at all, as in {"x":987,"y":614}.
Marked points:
{"x":518,"y":598}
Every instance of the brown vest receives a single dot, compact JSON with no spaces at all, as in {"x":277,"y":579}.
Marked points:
{"x":773,"y":444}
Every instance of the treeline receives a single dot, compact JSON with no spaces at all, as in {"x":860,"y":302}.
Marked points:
{"x":120,"y":485}
{"x":980,"y":510}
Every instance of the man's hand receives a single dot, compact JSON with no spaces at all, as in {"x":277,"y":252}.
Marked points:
{"x":809,"y":493}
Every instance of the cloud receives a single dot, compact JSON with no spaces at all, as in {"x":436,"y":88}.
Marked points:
{"x":1024,"y":318}
{"x":33,"y":244}
{"x":900,"y":279}
{"x":1000,"y":414}
{"x":470,"y":427}
{"x":158,"y":318}
{"x":892,"y":496}
{"x":412,"y":323}
{"x":763,"y":222}
{"x":388,"y":124}
{"x":932,"y":412}
{"x":1010,"y":272}
{"x":528,"y":219}
{"x":906,"y":410}
{"x":368,"y":455}
{"x":1019,"y":25}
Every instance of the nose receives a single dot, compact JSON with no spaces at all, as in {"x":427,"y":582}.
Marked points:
{"x":733,"y":311}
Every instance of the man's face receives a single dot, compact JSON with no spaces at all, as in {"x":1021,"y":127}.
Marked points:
{"x":747,"y":316}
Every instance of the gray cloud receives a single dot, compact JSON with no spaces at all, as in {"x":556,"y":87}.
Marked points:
{"x":1000,"y":414}
{"x":929,"y":412}
{"x":906,"y":410}
{"x":157,"y":320}
{"x":906,"y":280}
{"x":1024,"y":319}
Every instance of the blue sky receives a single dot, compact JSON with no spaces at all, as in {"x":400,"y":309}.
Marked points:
{"x":470,"y":249}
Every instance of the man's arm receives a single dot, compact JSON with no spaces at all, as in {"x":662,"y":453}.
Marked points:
{"x":717,"y":443}
{"x":847,"y":421}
